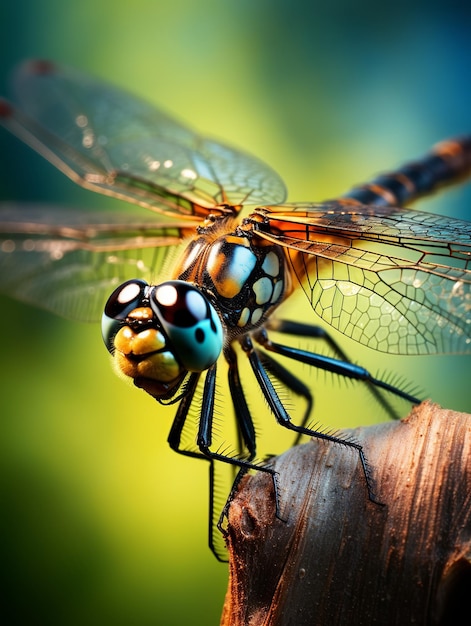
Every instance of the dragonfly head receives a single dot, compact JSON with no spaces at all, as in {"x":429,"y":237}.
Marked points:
{"x":157,"y":334}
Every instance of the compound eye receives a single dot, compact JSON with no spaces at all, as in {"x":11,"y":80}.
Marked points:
{"x":190,"y":322}
{"x":122,"y":301}
{"x":179,"y":304}
{"x":125,"y":298}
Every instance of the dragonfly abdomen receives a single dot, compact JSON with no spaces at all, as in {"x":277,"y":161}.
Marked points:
{"x":446,"y":163}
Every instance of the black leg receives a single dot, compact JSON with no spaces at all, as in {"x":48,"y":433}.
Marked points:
{"x":292,"y":382}
{"x":215,"y":541}
{"x":284,"y":419}
{"x":336,"y":366}
{"x":374,"y":385}
{"x":204,"y":441}
{"x":174,"y":437}
{"x":245,"y":425}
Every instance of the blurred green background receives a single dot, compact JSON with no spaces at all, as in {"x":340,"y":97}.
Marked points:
{"x":101,"y":523}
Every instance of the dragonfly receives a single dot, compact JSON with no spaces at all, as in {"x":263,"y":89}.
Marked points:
{"x":394,"y":279}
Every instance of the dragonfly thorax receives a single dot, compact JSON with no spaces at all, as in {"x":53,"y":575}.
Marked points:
{"x":158,"y":333}
{"x":246,"y":277}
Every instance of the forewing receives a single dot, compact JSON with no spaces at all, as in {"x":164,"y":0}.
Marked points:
{"x":69,"y":262}
{"x":114,"y":143}
{"x":394,"y":279}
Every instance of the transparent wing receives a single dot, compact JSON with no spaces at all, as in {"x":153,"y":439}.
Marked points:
{"x":394,"y":279}
{"x":114,"y":143}
{"x":69,"y":262}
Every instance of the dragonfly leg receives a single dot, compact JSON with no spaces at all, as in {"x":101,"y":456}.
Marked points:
{"x":291,"y":382}
{"x":246,"y":430}
{"x":242,"y":411}
{"x":174,"y":437}
{"x":284,"y":419}
{"x":174,"y":440}
{"x":204,"y":440}
{"x":374,"y":385}
{"x":337,"y":366}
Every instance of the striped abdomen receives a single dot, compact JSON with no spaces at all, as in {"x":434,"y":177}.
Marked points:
{"x":446,"y":163}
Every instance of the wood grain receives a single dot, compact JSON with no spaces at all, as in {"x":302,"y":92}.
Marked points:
{"x":336,"y":557}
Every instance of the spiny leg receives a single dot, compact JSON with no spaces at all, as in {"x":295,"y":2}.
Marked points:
{"x":174,"y":440}
{"x":204,"y":440}
{"x":245,"y":430}
{"x":329,"y":364}
{"x":174,"y":437}
{"x":284,"y":419}
{"x":299,"y":329}
{"x":343,"y":368}
{"x":291,"y":382}
{"x":340,"y":367}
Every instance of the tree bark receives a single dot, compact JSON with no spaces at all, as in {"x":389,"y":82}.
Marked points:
{"x":338,"y":558}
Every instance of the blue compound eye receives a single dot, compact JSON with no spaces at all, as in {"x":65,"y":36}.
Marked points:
{"x":190,"y":322}
{"x":122,"y":301}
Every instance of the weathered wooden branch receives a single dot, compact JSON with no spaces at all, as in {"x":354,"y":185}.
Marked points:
{"x":338,"y":558}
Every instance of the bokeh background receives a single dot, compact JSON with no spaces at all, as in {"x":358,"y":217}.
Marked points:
{"x":101,"y":523}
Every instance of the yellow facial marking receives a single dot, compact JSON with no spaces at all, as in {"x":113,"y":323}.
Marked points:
{"x":161,"y":367}
{"x":127,"y":341}
{"x":159,"y":364}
